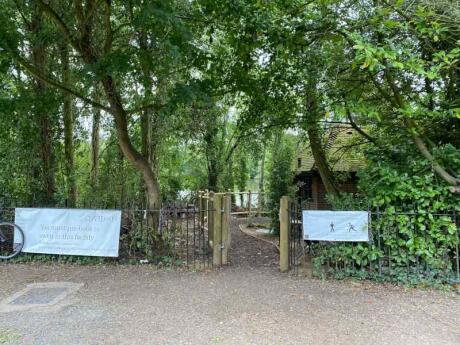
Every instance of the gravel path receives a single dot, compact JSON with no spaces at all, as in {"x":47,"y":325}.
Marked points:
{"x":248,"y":302}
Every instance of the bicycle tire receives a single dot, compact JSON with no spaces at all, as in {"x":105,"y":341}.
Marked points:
{"x":18,"y":248}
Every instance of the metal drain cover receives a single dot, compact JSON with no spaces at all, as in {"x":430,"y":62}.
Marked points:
{"x":39,"y":295}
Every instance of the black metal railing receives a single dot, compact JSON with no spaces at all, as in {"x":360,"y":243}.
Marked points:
{"x":177,"y":234}
{"x":296,"y":245}
{"x":404,"y":246}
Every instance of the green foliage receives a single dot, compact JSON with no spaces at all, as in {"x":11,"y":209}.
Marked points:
{"x":280,"y":175}
{"x":241,"y":167}
{"x":390,"y":182}
{"x":347,"y":202}
{"x":216,"y":81}
{"x":414,"y":214}
{"x":62,"y":259}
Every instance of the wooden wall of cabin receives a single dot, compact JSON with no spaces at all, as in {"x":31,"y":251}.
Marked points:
{"x":312,"y":193}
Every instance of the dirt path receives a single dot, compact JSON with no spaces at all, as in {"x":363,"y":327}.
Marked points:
{"x":249,"y":252}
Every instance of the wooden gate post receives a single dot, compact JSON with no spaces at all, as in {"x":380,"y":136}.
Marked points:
{"x":217,"y":230}
{"x":226,"y":236}
{"x":210,"y":211}
{"x":201,"y":209}
{"x":284,"y":234}
{"x":249,"y":204}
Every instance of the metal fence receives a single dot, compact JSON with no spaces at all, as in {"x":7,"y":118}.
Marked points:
{"x":296,"y":245}
{"x":177,"y":234}
{"x":404,"y":246}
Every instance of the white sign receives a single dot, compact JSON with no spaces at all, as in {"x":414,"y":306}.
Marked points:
{"x":70,"y":231}
{"x":352,"y":226}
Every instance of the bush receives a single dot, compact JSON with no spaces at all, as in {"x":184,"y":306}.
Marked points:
{"x":416,"y":223}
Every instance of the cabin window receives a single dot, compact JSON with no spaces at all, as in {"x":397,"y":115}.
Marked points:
{"x":299,"y":162}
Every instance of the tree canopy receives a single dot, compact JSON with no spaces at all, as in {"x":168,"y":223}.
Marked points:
{"x":103,"y":100}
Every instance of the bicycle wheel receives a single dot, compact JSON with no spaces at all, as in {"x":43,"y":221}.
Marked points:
{"x":11,"y":240}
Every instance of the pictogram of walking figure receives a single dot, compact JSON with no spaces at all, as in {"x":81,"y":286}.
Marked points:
{"x":351,"y":227}
{"x":332,"y":227}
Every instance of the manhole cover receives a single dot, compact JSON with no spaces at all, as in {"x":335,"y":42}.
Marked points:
{"x":39,"y":295}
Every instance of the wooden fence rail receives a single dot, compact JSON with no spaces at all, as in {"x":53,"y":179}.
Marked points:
{"x":249,"y":203}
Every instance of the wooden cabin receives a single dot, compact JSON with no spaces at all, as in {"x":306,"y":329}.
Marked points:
{"x":342,"y":144}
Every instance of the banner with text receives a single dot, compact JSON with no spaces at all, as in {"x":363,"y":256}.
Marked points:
{"x":70,"y":231}
{"x":352,"y":226}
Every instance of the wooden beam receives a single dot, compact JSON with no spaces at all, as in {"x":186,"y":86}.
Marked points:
{"x":284,"y":234}
{"x":226,"y":234}
{"x":217,"y":231}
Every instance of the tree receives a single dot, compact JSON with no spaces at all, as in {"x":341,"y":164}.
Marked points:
{"x":280,"y":177}
{"x":374,"y":63}
{"x":241,"y":172}
{"x":85,"y":29}
{"x":68,"y":114}
{"x":95,"y":139}
{"x":39,"y":57}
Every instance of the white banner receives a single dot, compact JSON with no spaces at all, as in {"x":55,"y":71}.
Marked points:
{"x":352,"y":226}
{"x":70,"y":231}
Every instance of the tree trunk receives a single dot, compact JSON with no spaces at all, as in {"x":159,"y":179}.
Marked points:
{"x":212,"y":176}
{"x":131,"y":154}
{"x":212,"y":156}
{"x":261,"y":181}
{"x":149,"y":142}
{"x":95,"y":140}
{"x":149,"y":137}
{"x":41,"y":111}
{"x":149,"y":124}
{"x":229,"y":183}
{"x":68,"y":131}
{"x":84,"y":45}
{"x":121,"y":177}
{"x":213,"y":167}
{"x":327,"y":175}
{"x":146,"y":134}
{"x":452,"y":180}
{"x":417,"y":139}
